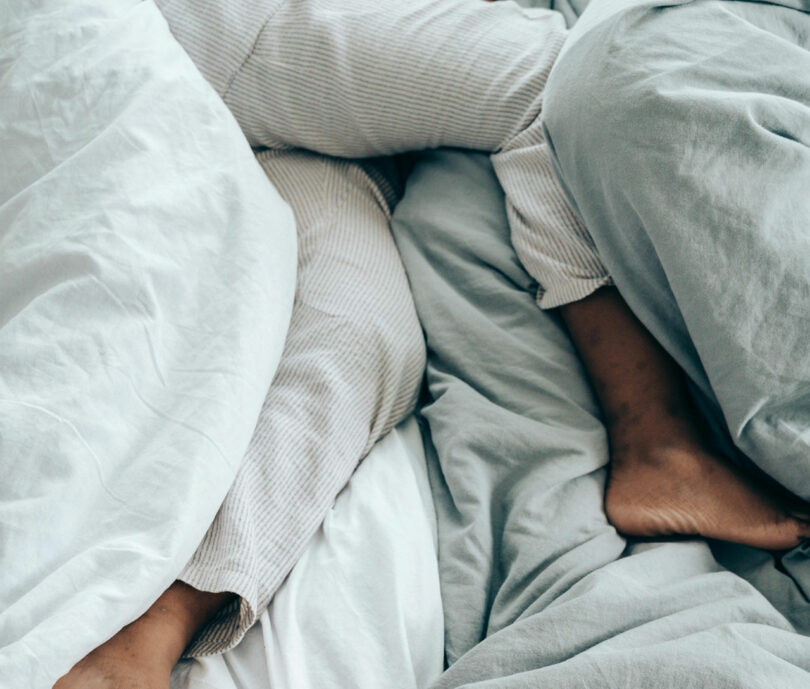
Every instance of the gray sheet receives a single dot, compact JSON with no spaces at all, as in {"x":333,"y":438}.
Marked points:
{"x":694,"y":120}
{"x":700,"y":207}
{"x":538,"y":588}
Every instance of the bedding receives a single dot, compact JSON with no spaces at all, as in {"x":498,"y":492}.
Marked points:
{"x":707,"y":193}
{"x":147,"y":270}
{"x":538,"y":588}
{"x":362,"y":606}
{"x":711,"y":197}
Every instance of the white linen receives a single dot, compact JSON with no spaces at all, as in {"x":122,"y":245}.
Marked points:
{"x":362,"y":608}
{"x":146,"y":282}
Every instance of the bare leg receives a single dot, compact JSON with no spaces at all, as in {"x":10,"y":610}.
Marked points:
{"x":142,"y":654}
{"x":663,"y":478}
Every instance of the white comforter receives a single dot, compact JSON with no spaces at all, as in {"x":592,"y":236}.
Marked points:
{"x":146,"y":281}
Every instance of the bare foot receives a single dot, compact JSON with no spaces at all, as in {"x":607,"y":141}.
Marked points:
{"x":663,"y":479}
{"x":685,"y":490}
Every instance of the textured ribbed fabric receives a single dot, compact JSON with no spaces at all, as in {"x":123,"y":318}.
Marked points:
{"x":350,"y":371}
{"x":360,"y":79}
{"x":549,"y":239}
{"x":375,"y":77}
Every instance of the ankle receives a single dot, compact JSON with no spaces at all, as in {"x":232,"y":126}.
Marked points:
{"x":652,"y":430}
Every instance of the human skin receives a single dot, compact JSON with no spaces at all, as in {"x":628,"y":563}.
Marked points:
{"x":142,"y":654}
{"x":663,"y":477}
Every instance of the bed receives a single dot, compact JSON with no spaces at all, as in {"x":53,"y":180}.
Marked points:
{"x":472,"y":538}
{"x":536,"y":587}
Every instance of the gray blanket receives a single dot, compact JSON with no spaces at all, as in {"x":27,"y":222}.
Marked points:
{"x":682,"y":133}
{"x":538,"y":588}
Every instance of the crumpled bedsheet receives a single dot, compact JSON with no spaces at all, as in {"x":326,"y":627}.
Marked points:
{"x":700,"y":212}
{"x":147,"y":270}
{"x":361,"y":609}
{"x":538,"y":588}
{"x":699,"y":209}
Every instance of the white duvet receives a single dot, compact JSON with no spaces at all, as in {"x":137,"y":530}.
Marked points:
{"x":146,"y":282}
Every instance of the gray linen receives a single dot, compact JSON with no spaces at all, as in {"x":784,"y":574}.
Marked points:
{"x":539,"y":590}
{"x":698,"y":115}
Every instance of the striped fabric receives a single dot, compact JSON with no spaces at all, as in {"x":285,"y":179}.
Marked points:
{"x":350,"y":371}
{"x":375,"y":77}
{"x":359,"y":79}
{"x":549,"y":239}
